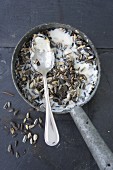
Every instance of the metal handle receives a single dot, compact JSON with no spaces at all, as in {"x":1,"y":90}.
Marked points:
{"x":51,"y":134}
{"x":100,"y":151}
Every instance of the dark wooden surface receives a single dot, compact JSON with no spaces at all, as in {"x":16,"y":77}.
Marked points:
{"x":95,"y":18}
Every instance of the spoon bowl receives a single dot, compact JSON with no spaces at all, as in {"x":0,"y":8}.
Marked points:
{"x":42,"y":65}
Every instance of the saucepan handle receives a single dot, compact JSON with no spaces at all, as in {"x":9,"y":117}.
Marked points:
{"x":99,"y":150}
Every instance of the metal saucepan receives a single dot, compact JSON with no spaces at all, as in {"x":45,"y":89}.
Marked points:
{"x":100,"y":151}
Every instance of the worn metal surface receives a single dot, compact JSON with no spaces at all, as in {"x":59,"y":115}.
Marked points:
{"x":100,"y":151}
{"x":95,"y":18}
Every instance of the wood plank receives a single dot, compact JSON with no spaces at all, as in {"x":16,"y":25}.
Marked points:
{"x":95,"y":18}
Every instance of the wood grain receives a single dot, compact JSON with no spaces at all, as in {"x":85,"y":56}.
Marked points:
{"x":95,"y":18}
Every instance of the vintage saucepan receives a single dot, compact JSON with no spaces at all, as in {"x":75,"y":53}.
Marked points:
{"x":101,"y":153}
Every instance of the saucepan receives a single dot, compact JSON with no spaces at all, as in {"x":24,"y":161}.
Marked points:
{"x":99,"y":150}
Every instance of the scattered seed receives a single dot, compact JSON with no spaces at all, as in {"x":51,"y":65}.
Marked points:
{"x":40,"y":120}
{"x":16,"y":143}
{"x":31,"y":141}
{"x":5,"y":106}
{"x":9,"y":148}
{"x":13,"y":124}
{"x":12,"y":130}
{"x":31,"y":126}
{"x":16,"y":112}
{"x":24,"y":121}
{"x":10,"y":110}
{"x":29,"y":135}
{"x":35,"y":122}
{"x":24,"y":139}
{"x":24,"y":79}
{"x":17,"y":155}
{"x":21,"y":126}
{"x":35,"y":137}
{"x":8,"y":93}
{"x":36,"y":91}
{"x":27,"y":127}
{"x":31,"y":85}
{"x":9,"y":104}
{"x":28,"y":115}
{"x":40,"y":125}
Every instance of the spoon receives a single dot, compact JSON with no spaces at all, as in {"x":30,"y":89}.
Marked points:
{"x":43,"y":62}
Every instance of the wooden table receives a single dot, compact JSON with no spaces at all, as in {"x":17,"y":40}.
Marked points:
{"x":95,"y":18}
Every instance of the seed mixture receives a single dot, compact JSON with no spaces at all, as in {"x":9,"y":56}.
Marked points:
{"x":73,"y":77}
{"x":23,"y":127}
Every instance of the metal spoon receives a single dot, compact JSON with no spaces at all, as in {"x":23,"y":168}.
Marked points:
{"x":44,"y":65}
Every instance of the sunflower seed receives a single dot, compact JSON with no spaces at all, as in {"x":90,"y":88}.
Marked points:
{"x":24,"y":121}
{"x":31,"y":141}
{"x":13,"y":124}
{"x":28,"y":115}
{"x":9,"y":149}
{"x":16,"y":143}
{"x":12,"y":130}
{"x":90,"y":57}
{"x":40,"y":125}
{"x":31,"y":126}
{"x":10,"y":110}
{"x":40,"y":120}
{"x":9,"y":104}
{"x":35,"y":122}
{"x":16,"y":112}
{"x":5,"y":106}
{"x":29,"y":135}
{"x":36,"y":91}
{"x":31,"y":85}
{"x":24,"y":78}
{"x":35,"y":137}
{"x":17,"y":155}
{"x":30,"y":120}
{"x":24,"y":139}
{"x":27,"y":127}
{"x":21,"y":126}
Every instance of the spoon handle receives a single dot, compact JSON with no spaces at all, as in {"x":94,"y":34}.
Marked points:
{"x":51,"y":132}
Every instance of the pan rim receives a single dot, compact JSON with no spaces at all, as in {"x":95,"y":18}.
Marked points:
{"x":56,"y":25}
